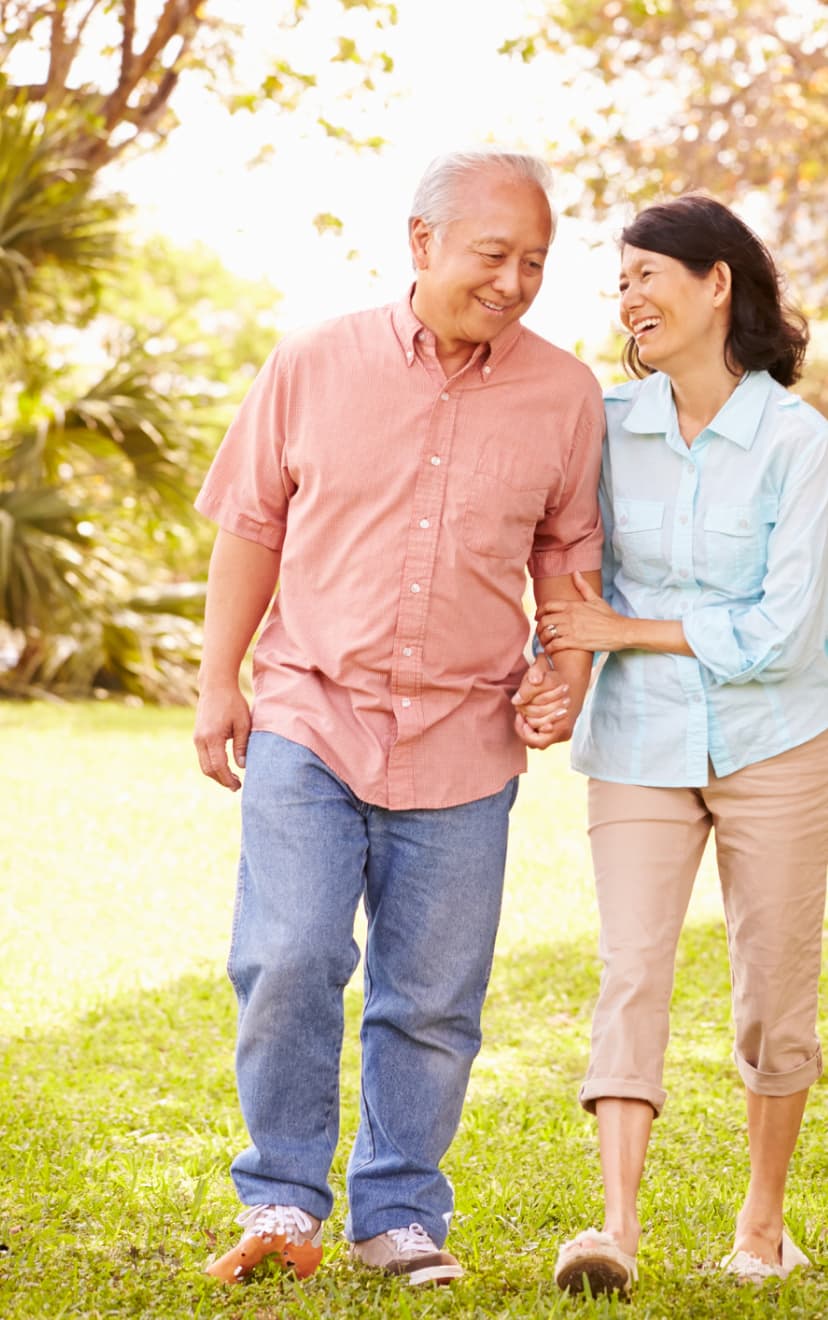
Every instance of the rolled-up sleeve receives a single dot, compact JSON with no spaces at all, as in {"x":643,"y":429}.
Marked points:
{"x":776,"y":636}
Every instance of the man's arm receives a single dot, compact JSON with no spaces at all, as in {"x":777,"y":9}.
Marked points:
{"x":539,"y":709}
{"x":240,"y":586}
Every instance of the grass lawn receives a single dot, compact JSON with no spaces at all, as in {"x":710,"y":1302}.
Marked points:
{"x":118,"y":1113}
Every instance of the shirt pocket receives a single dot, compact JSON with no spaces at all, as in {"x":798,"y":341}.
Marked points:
{"x":637,"y":539}
{"x":500,"y":519}
{"x":736,"y":544}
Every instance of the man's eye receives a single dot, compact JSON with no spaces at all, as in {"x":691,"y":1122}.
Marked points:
{"x":493,"y":256}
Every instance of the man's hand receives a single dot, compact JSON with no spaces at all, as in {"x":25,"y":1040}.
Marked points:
{"x":222,"y":716}
{"x":542,"y":707}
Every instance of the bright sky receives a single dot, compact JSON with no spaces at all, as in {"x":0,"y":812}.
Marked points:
{"x":450,"y":89}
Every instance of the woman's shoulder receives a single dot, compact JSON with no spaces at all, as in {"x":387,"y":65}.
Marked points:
{"x":624,"y":391}
{"x":795,"y":406}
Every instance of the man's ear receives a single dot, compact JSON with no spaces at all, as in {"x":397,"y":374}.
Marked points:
{"x":420,"y":238}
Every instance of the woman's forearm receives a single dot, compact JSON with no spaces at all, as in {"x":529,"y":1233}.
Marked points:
{"x":662,"y":635}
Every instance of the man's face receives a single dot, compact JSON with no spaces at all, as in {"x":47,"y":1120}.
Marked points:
{"x":481,"y":272}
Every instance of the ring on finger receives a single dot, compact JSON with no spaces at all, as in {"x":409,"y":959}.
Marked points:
{"x":552,"y":629}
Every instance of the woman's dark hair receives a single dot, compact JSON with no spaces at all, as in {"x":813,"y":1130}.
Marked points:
{"x":766,"y":333}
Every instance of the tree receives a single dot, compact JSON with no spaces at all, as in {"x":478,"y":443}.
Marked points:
{"x":105,"y":424}
{"x":115,"y":65}
{"x":726,"y":95}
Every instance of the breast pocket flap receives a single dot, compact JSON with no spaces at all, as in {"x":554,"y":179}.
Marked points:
{"x":639,"y":515}
{"x":740,"y":519}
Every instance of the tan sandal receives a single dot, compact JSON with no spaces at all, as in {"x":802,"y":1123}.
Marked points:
{"x":748,"y":1268}
{"x":596,"y":1257}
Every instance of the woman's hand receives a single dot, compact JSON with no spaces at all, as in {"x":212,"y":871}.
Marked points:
{"x":586,"y":625}
{"x":542,"y":707}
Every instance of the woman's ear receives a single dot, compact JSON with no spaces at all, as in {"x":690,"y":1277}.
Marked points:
{"x":722,"y":283}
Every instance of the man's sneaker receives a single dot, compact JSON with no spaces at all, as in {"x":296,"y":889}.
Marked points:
{"x":408,"y":1251}
{"x":283,"y":1231}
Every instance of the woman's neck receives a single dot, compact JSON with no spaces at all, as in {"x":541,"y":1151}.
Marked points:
{"x":699,"y":393}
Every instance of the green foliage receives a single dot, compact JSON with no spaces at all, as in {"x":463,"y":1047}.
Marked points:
{"x":731,"y":98}
{"x":122,"y":371}
{"x":54,"y":231}
{"x":118,"y":1109}
{"x":143,"y":52}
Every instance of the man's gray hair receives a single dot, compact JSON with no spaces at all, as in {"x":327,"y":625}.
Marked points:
{"x":435,"y":200}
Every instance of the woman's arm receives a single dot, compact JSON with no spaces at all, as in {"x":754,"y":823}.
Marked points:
{"x":590,"y":624}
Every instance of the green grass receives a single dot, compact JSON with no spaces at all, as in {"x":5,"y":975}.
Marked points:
{"x":118,"y":1113}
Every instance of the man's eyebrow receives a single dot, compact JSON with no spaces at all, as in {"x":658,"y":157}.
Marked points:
{"x":505,"y":242}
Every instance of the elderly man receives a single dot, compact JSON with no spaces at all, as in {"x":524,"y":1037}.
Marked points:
{"x":395,"y":471}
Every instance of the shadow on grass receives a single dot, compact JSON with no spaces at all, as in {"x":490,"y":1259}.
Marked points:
{"x":117,"y":1133}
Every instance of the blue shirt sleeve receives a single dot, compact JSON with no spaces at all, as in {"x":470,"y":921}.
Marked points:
{"x":776,"y":636}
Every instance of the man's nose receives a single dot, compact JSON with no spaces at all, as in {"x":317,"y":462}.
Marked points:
{"x":507,"y":279}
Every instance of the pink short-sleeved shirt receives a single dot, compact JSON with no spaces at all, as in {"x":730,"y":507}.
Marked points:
{"x":406,"y":508}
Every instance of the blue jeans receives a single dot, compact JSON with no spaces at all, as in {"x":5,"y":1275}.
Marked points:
{"x":432,"y":883}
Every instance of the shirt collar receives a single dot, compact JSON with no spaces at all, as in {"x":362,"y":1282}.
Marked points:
{"x":409,"y":329}
{"x":738,"y":419}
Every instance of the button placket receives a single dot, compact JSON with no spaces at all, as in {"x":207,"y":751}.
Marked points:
{"x":682,"y":540}
{"x":418,"y":570}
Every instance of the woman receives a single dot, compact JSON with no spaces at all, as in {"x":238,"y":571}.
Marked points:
{"x":710,"y":709}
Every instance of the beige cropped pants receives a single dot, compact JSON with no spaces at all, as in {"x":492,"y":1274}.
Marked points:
{"x":771,"y":830}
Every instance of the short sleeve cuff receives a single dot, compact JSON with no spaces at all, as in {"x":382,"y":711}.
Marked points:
{"x":556,"y":563}
{"x":231,"y":520}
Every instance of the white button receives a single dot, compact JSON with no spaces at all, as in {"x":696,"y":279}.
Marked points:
{"x":683,"y":519}
{"x":444,"y":397}
{"x":415,"y":587}
{"x":690,"y":465}
{"x":435,"y":461}
{"x":406,"y":701}
{"x":743,"y":522}
{"x":683,"y":573}
{"x":424,"y":523}
{"x":623,"y":519}
{"x":407,"y":650}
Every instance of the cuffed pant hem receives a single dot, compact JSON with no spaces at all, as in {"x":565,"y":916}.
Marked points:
{"x":780,"y":1084}
{"x":608,"y":1088}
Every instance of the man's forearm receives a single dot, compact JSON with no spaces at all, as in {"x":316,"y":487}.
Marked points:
{"x":240,"y":586}
{"x":575,"y":669}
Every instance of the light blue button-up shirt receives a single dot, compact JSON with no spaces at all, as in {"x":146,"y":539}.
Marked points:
{"x":729,"y":535}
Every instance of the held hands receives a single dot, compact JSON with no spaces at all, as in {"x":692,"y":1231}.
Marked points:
{"x":222,"y":716}
{"x":586,"y":625}
{"x":542,"y":707}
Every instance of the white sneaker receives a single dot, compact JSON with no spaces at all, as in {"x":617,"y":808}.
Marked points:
{"x":283,"y":1231}
{"x":408,"y":1251}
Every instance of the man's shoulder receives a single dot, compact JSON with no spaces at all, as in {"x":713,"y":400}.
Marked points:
{"x":543,"y":353}
{"x":350,"y":327}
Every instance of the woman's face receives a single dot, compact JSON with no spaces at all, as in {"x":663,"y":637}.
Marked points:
{"x":674,"y":315}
